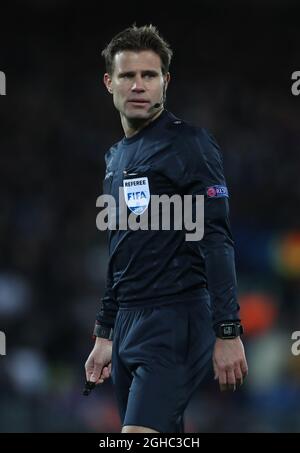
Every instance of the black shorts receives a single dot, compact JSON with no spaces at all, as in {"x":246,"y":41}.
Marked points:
{"x":160,"y":355}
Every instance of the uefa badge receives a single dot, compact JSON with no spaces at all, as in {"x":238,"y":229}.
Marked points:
{"x":137,"y":194}
{"x":217,"y":192}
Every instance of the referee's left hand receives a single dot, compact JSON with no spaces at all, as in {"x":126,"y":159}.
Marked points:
{"x":229,"y":363}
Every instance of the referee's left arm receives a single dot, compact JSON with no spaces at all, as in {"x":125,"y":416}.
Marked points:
{"x":201,"y":173}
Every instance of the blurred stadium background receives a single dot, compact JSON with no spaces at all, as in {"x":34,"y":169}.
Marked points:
{"x":232,"y":74}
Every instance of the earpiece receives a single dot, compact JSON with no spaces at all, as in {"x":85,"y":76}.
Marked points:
{"x":158,"y":104}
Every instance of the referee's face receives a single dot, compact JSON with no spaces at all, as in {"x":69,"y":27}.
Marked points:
{"x":137,"y":84}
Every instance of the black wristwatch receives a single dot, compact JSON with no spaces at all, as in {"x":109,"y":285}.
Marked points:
{"x":229,"y":330}
{"x":103,"y":332}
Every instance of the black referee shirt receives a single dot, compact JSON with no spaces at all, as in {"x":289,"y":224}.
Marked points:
{"x":154,"y":267}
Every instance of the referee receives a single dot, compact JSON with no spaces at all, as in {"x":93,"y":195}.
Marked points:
{"x":170,"y":305}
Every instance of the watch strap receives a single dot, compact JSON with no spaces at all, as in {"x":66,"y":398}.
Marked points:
{"x":103,"y":331}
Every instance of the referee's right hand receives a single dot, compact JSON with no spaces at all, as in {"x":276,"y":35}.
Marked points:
{"x":98,"y":364}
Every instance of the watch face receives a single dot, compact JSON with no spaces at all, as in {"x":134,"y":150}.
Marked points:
{"x":228,"y":331}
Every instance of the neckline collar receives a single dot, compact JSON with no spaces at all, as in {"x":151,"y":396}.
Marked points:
{"x":134,"y":138}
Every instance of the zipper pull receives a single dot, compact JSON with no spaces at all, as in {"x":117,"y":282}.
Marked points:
{"x":125,"y":173}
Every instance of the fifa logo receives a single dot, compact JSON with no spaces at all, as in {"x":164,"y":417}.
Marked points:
{"x":2,"y":343}
{"x":2,"y":84}
{"x":136,"y":195}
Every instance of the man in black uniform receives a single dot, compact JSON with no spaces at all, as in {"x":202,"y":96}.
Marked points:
{"x":170,"y":304}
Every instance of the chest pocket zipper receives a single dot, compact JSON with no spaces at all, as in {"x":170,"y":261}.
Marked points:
{"x":126,"y":174}
{"x":137,"y":172}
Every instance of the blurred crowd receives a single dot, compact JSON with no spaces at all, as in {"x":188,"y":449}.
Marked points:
{"x":56,"y":123}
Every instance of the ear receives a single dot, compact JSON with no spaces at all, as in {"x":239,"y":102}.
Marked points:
{"x":167,"y":78}
{"x":108,"y":82}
